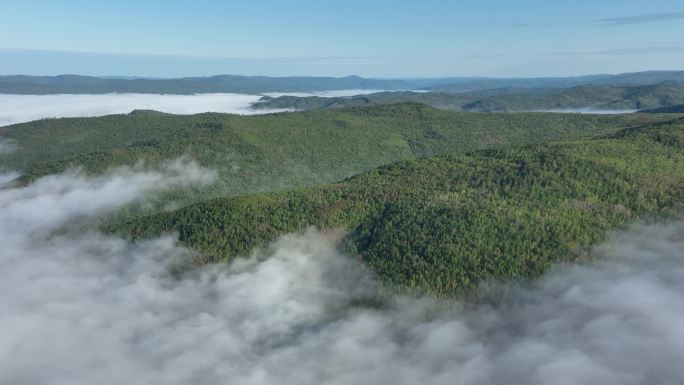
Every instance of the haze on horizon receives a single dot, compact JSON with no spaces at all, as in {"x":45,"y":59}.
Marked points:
{"x":378,"y":39}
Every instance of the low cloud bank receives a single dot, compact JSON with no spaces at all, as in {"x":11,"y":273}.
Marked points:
{"x":326,"y":94}
{"x":26,"y":108}
{"x":588,"y":111}
{"x":8,"y":177}
{"x":94,"y":309}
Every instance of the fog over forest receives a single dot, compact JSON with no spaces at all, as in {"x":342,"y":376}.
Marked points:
{"x":25,"y":108}
{"x":87,"y":308}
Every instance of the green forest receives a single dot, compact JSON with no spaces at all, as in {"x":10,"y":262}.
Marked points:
{"x":445,"y":224}
{"x":286,"y":150}
{"x":430,"y":200}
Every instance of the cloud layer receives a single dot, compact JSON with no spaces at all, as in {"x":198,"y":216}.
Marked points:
{"x":326,"y":94}
{"x":94,"y":309}
{"x":588,"y":111}
{"x":25,"y":108}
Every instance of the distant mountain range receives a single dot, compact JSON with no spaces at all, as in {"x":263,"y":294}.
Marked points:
{"x":627,"y":79}
{"x":77,"y":84}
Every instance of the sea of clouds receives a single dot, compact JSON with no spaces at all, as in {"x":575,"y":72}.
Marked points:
{"x":25,"y":108}
{"x":88,"y":308}
{"x":326,"y":94}
{"x":588,"y":110}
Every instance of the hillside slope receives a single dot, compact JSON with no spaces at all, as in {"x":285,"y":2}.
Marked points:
{"x":445,"y":224}
{"x":288,"y":150}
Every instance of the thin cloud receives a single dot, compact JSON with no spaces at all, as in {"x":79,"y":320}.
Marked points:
{"x":657,"y":49}
{"x":649,"y":18}
{"x":639,"y":50}
{"x":25,"y":108}
{"x":531,"y":25}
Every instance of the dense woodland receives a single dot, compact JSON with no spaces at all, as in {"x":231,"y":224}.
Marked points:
{"x":288,"y":150}
{"x":444,"y":224}
{"x":430,"y":200}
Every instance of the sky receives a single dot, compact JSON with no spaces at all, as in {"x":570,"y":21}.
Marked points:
{"x":375,"y":38}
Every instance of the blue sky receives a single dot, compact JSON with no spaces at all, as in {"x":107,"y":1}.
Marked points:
{"x":371,"y":38}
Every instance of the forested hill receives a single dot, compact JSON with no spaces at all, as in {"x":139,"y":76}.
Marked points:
{"x":420,"y":212}
{"x":288,"y":150}
{"x":588,"y":97}
{"x":445,"y":224}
